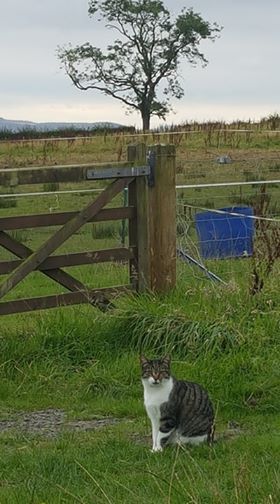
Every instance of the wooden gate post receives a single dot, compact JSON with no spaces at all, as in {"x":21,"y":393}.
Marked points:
{"x":154,"y":229}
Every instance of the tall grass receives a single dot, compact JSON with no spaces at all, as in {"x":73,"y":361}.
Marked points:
{"x":221,"y":346}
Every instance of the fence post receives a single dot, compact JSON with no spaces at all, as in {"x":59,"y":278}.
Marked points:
{"x":155,"y":230}
{"x":162,"y":209}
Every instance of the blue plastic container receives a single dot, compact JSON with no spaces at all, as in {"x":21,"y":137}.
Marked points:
{"x":225,"y":235}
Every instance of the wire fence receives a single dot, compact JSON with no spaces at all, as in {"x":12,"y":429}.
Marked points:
{"x":230,"y":233}
{"x":195,"y":146}
{"x":228,"y":216}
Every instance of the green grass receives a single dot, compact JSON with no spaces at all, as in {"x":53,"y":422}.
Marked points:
{"x":112,"y":469}
{"x":86,"y":363}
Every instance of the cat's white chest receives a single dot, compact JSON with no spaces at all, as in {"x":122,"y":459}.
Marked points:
{"x":155,"y":396}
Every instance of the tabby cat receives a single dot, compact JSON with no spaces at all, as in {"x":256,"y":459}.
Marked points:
{"x":180,"y":411}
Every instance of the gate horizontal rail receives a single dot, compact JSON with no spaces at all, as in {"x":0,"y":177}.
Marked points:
{"x":75,"y":259}
{"x":90,"y":296}
{"x":69,"y":173}
{"x":57,"y":219}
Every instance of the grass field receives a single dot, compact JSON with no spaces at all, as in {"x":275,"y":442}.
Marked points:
{"x":86,"y":364}
{"x":64,"y":371}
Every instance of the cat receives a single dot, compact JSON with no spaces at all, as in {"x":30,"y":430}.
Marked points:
{"x":180,"y":411}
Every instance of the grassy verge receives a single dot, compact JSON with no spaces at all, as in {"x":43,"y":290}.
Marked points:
{"x":86,"y":363}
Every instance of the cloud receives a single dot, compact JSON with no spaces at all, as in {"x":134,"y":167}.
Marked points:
{"x":242,"y":77}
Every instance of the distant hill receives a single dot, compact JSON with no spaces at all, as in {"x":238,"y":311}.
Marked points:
{"x":19,"y":126}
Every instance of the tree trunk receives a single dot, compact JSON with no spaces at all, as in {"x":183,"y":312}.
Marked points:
{"x":146,"y":120}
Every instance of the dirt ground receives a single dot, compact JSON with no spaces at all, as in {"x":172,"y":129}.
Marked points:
{"x":50,"y":423}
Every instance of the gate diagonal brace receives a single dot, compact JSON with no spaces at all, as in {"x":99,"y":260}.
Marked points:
{"x":32,"y":262}
{"x":56,"y":274}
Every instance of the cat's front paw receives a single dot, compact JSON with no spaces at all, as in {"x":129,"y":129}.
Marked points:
{"x":156,"y":449}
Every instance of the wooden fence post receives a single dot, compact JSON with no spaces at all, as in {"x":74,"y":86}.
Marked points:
{"x":155,"y":227}
{"x":162,"y":209}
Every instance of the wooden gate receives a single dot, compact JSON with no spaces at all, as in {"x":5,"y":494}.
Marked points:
{"x":151,"y":251}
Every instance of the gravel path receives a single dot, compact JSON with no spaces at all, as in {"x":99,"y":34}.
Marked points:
{"x":50,"y":423}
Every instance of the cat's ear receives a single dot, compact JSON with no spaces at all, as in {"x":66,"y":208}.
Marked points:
{"x":143,"y":360}
{"x":166,"y":359}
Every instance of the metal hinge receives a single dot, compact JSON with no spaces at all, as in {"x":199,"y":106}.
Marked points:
{"x":115,"y":172}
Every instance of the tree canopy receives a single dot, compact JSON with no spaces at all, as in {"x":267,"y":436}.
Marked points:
{"x":140,"y":68}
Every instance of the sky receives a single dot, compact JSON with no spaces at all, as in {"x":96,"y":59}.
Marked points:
{"x":241,"y":81}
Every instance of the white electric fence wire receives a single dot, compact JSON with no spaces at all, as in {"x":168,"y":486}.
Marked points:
{"x":227,"y":184}
{"x":139,"y":134}
{"x":235,"y":214}
{"x":50,"y":193}
{"x":183,"y":186}
{"x":234,"y":160}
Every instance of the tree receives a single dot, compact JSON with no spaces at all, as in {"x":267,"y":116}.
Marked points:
{"x":140,"y":68}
